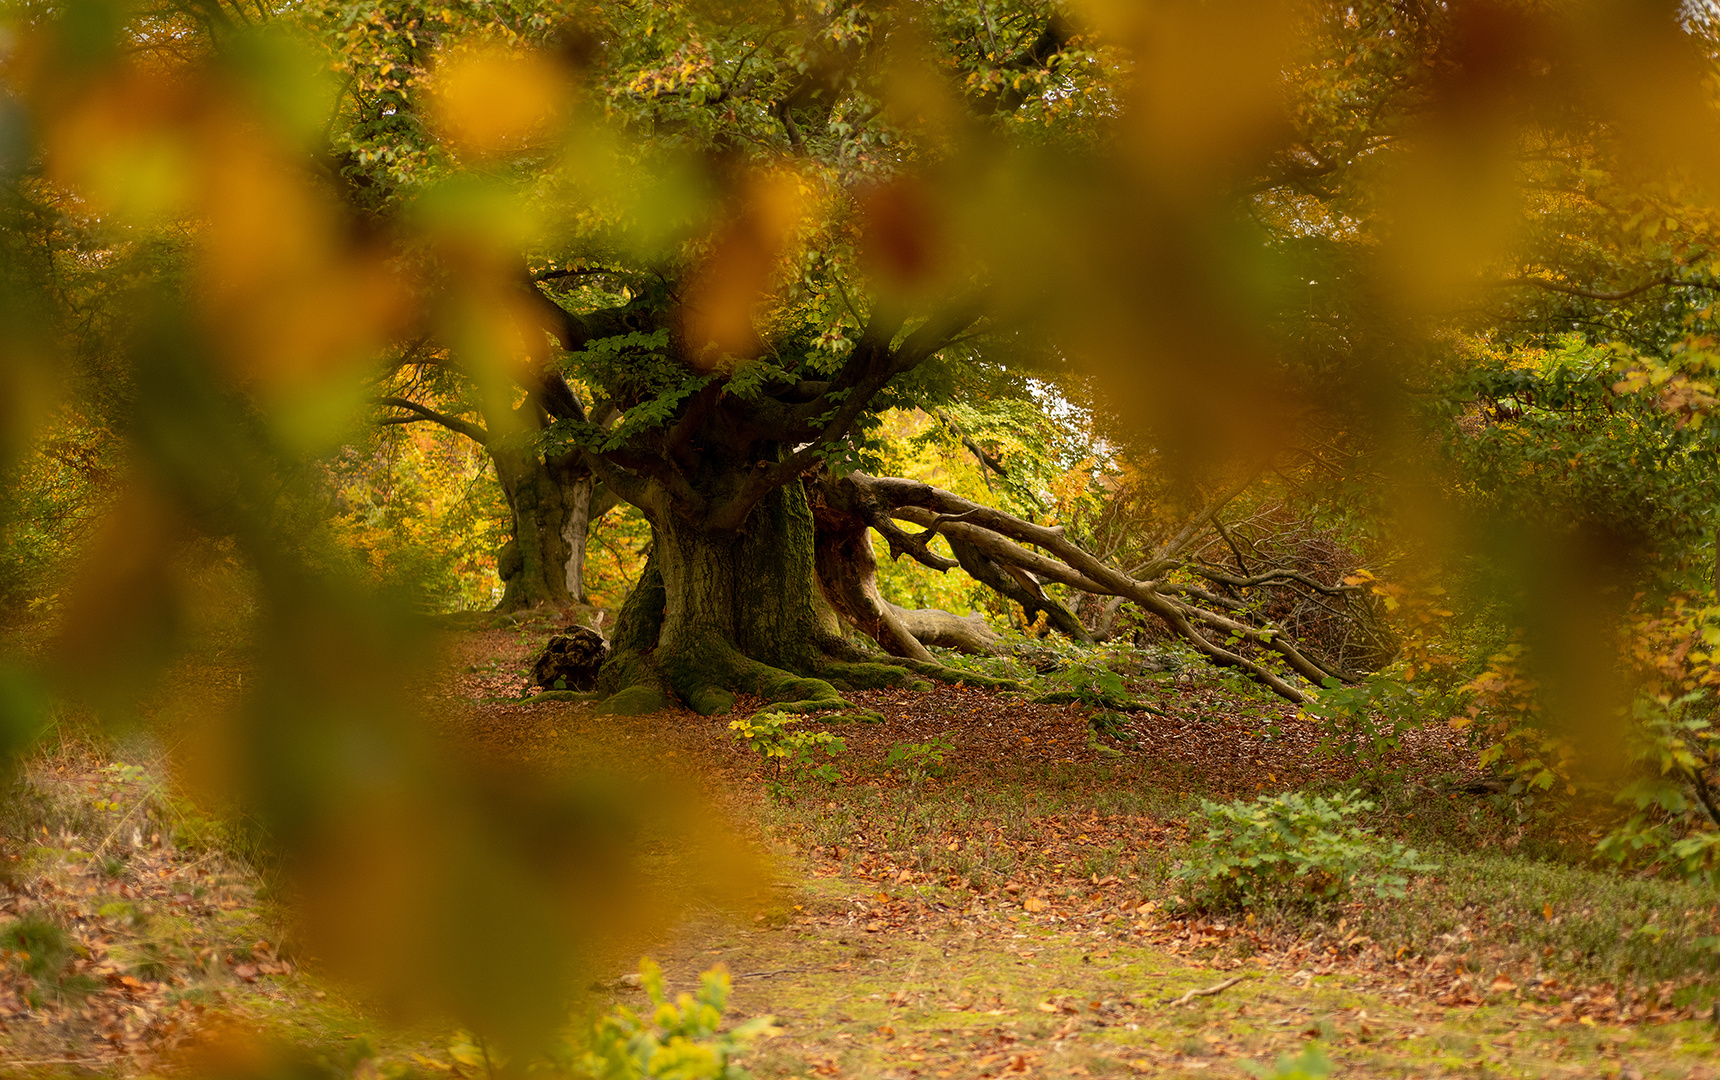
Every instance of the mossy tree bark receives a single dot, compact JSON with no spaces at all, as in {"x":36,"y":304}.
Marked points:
{"x":720,"y":611}
{"x":553,"y":501}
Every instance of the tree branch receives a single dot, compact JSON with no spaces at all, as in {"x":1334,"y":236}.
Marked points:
{"x":873,"y":364}
{"x":453,"y":423}
{"x":1067,"y":562}
{"x":1163,"y":558}
{"x":1603,"y":294}
{"x":1272,"y":577}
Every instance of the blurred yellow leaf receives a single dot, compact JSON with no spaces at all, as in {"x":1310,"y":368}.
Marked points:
{"x":491,"y":100}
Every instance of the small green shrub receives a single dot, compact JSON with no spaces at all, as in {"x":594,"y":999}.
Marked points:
{"x":678,"y":1039}
{"x":790,"y":752}
{"x":1674,"y":747}
{"x":1311,"y":1064}
{"x":917,"y":761}
{"x":1092,"y":683}
{"x":1291,"y":849}
{"x":1369,"y":720}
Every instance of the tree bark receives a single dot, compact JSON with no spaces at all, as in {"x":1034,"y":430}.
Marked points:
{"x":724,"y":611}
{"x":966,"y":633}
{"x":848,"y":574}
{"x":553,"y":503}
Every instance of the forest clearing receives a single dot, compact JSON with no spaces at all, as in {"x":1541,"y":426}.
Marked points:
{"x":697,"y":539}
{"x":1011,"y":916}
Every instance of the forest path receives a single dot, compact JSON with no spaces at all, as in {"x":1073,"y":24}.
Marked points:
{"x":1011,"y":917}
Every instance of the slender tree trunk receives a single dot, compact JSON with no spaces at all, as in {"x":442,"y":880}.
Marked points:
{"x":575,"y":527}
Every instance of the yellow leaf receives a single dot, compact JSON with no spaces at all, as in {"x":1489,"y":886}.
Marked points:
{"x":1033,"y":903}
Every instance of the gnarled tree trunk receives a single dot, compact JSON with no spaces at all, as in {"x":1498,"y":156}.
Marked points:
{"x":848,"y":574}
{"x":554,"y":503}
{"x":721,"y":611}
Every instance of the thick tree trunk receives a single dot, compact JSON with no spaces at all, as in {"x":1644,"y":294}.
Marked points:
{"x":553,"y":505}
{"x":752,"y":589}
{"x":718,"y":612}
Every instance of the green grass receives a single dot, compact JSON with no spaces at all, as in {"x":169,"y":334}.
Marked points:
{"x":1485,"y":905}
{"x":42,"y":949}
{"x":1581,"y":923}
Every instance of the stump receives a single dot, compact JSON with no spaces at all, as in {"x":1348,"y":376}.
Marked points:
{"x":570,"y":660}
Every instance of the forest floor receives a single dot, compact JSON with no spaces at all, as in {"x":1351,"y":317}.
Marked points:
{"x":1013,"y":916}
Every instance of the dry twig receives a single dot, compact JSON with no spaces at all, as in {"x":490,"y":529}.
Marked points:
{"x":1208,"y":992}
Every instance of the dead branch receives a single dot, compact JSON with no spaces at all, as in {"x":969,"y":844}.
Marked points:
{"x":1215,"y":988}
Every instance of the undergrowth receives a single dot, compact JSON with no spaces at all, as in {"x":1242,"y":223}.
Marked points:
{"x":1293,"y":850}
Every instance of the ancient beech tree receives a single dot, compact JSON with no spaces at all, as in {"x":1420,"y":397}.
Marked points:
{"x":721,"y":373}
{"x":761,"y":556}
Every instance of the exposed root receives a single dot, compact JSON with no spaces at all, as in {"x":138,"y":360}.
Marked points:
{"x":1114,"y":702}
{"x":706,"y":674}
{"x":870,"y":675}
{"x":566,"y":695}
{"x":634,"y":686}
{"x":943,"y":673}
{"x":636,"y":700}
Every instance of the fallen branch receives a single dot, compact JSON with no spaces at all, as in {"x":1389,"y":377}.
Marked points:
{"x":1215,"y":988}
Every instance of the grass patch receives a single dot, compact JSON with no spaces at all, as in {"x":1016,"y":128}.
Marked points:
{"x":1581,"y":923}
{"x":42,"y":950}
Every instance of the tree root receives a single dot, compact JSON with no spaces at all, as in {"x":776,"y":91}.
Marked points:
{"x":634,"y":686}
{"x":565,"y":695}
{"x":1113,"y":702}
{"x":636,"y":700}
{"x":707,"y":674}
{"x":870,"y":675}
{"x":952,"y":675}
